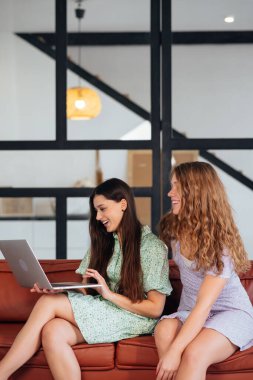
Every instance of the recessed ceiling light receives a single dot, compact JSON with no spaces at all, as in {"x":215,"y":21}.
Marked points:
{"x":229,"y":19}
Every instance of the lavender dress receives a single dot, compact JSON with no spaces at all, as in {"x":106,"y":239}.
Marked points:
{"x":231,"y":314}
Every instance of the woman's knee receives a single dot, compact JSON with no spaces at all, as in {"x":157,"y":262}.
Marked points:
{"x":53,"y":333}
{"x":166,"y":329}
{"x":193,"y":356}
{"x":56,"y":305}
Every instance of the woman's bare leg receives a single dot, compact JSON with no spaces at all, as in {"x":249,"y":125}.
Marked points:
{"x":207,"y":348}
{"x":58,"y":336}
{"x":165,"y":332}
{"x":28,"y":339}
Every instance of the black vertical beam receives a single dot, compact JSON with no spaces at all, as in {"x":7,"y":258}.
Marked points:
{"x":155,"y":111}
{"x":61,"y":66}
{"x":61,"y":227}
{"x":166,"y":102}
{"x":61,"y":125}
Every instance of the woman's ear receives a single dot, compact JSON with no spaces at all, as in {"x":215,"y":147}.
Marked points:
{"x":123,"y":204}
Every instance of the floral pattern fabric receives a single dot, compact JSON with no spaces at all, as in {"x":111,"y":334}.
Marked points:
{"x":101,"y":321}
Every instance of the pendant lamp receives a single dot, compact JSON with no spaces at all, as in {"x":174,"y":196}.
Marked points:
{"x":83,"y":103}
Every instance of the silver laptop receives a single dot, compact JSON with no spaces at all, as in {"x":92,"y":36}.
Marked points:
{"x":27,"y":269}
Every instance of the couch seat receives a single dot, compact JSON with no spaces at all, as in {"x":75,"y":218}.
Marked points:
{"x":98,"y":357}
{"x":240,"y":361}
{"x":137,"y":353}
{"x":140,"y":353}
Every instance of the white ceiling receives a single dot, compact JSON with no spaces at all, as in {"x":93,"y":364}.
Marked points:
{"x":126,"y":15}
{"x":209,"y":14}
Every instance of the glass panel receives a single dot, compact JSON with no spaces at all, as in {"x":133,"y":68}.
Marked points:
{"x":39,"y":234}
{"x":180,"y":156}
{"x":27,"y":208}
{"x":73,"y":168}
{"x":126,"y":69}
{"x":78,"y":208}
{"x":27,"y":75}
{"x":212,"y":90}
{"x":78,"y":238}
{"x":32,"y":219}
{"x":143,"y":208}
{"x":112,"y":16}
{"x":47,"y":168}
{"x":139,"y":168}
{"x":197,"y":15}
{"x":240,"y":160}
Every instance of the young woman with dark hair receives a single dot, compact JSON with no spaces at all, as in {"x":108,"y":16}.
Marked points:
{"x":215,"y":315}
{"x":131,"y":265}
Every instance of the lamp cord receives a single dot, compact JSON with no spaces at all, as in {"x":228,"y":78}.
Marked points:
{"x":79,"y":12}
{"x":79,"y":52}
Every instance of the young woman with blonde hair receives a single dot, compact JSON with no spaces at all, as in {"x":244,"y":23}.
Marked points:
{"x":215,"y":315}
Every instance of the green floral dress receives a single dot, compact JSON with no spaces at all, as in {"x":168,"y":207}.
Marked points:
{"x":101,"y":321}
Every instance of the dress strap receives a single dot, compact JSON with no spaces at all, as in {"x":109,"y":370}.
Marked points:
{"x":175,"y":248}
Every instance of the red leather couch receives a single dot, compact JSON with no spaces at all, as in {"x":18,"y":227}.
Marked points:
{"x":130,"y":359}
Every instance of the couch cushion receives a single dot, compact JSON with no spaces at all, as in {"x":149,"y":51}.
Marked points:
{"x":90,"y":356}
{"x":136,"y":353}
{"x":141,"y":352}
{"x":17,"y":302}
{"x":247,"y":281}
{"x":239,"y":361}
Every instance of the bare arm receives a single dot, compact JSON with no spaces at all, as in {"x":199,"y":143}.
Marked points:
{"x":151,"y":307}
{"x":208,"y":294}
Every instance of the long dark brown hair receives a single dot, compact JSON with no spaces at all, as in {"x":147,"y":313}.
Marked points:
{"x":102,"y":242}
{"x":205,"y":224}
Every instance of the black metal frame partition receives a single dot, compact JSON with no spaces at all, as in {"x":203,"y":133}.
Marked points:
{"x":160,"y":116}
{"x":61,"y":143}
{"x":171,"y":139}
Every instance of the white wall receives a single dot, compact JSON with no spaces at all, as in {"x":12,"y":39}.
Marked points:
{"x":212,"y":90}
{"x":8,"y":106}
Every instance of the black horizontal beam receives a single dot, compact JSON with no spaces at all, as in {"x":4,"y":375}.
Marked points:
{"x":143,"y":38}
{"x":107,"y":39}
{"x":71,"y":192}
{"x":93,"y":39}
{"x":215,"y":37}
{"x":175,"y":143}
{"x":82,"y":145}
{"x":213,"y":143}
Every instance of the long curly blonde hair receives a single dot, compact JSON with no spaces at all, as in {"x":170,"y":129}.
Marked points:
{"x":205,"y":223}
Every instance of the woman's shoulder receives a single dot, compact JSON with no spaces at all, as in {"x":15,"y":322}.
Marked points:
{"x":228,"y":265}
{"x":151,"y":243}
{"x":148,"y":235}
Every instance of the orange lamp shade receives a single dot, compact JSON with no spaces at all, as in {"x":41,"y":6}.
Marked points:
{"x":82,"y":103}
